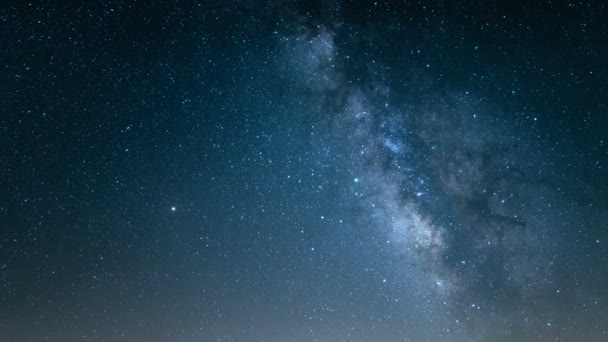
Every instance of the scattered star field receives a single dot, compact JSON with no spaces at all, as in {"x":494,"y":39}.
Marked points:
{"x":304,"y":171}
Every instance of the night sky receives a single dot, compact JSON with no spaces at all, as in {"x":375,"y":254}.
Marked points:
{"x":304,"y":171}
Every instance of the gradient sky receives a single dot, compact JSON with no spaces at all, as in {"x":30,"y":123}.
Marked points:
{"x":304,"y":171}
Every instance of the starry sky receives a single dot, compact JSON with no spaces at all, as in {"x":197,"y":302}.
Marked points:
{"x":304,"y":171}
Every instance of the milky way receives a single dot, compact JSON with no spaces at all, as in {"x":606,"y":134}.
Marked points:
{"x":304,"y":171}
{"x":460,"y":196}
